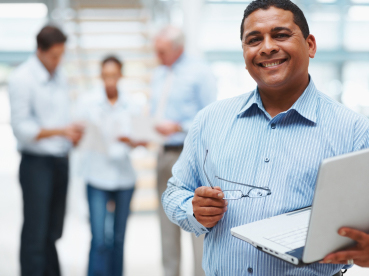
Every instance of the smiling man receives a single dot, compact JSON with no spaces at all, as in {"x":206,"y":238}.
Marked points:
{"x":273,"y":138}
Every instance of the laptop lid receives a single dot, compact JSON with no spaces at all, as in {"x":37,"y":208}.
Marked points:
{"x":341,"y":199}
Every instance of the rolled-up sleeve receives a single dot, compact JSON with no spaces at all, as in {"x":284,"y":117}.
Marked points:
{"x":24,"y":125}
{"x":177,"y":199}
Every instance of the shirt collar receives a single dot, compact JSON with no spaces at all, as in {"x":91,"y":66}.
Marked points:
{"x":40,"y":71}
{"x":104,"y":102}
{"x":305,"y":105}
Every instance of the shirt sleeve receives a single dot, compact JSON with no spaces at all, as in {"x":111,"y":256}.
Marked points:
{"x":24,"y":124}
{"x":207,"y":93}
{"x":361,"y":135}
{"x":177,"y":199}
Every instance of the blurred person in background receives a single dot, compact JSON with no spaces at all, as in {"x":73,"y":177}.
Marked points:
{"x":108,"y":171}
{"x":181,"y":87}
{"x":39,"y":103}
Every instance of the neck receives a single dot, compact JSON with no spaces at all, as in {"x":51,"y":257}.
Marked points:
{"x":279,"y":100}
{"x":176,"y":59}
{"x":112,"y":97}
{"x":51,"y":72}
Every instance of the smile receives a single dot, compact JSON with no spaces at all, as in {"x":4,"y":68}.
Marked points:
{"x":271,"y":64}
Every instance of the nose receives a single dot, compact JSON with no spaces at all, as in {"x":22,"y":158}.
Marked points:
{"x":269,"y":46}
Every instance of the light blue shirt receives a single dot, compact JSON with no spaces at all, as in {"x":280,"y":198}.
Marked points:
{"x":193,"y":88}
{"x":108,"y":166}
{"x":248,"y":146}
{"x":39,"y":101}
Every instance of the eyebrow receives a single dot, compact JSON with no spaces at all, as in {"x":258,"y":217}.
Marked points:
{"x":276,"y":29}
{"x":252,"y":33}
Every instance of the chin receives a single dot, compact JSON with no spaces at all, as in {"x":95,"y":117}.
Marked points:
{"x":273,"y":81}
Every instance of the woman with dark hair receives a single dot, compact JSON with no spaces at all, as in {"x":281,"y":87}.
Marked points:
{"x":108,"y":172}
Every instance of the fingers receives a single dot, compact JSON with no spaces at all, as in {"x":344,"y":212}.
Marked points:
{"x":124,"y":139}
{"x":208,"y":205}
{"x":357,"y":252}
{"x":359,"y":236}
{"x":208,"y":192}
{"x":341,"y":257}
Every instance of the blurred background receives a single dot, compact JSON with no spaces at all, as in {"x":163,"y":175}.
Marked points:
{"x":125,"y":28}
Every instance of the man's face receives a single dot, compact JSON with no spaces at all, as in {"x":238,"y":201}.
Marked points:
{"x":166,"y":52}
{"x":111,"y":74}
{"x":52,"y":57}
{"x":275,"y":51}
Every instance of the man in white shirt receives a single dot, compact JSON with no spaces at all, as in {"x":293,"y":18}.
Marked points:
{"x":40,"y":120}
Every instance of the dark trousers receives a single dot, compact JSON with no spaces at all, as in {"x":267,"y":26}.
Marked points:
{"x":44,"y":181}
{"x":108,"y":230}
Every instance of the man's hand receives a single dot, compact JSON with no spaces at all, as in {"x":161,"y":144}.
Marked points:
{"x":73,"y":132}
{"x":209,"y":206}
{"x":131,"y":143}
{"x":358,"y":253}
{"x":168,"y":128}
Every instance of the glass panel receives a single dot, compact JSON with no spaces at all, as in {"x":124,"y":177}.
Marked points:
{"x":257,"y":193}
{"x":232,"y":194}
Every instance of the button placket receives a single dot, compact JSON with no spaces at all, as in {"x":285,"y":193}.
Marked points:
{"x":267,"y":156}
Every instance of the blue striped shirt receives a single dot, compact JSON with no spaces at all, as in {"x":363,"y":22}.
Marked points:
{"x":247,"y":145}
{"x":193,"y":88}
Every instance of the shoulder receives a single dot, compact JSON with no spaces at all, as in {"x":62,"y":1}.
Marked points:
{"x":22,"y":72}
{"x":224,"y":110}
{"x":340,"y":113}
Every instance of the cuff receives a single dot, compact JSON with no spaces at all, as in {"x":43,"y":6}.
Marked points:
{"x":199,"y":229}
{"x":27,"y":132}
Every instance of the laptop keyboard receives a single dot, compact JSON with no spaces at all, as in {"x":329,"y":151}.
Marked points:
{"x":293,"y":238}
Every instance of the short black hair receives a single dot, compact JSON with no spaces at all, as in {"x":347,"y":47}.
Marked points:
{"x":298,"y":15}
{"x":114,"y":59}
{"x":49,"y":36}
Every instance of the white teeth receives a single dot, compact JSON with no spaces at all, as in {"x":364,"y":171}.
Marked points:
{"x":271,"y":64}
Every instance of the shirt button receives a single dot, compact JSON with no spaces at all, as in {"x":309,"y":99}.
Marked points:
{"x":250,"y":270}
{"x":273,"y":126}
{"x":266,"y":160}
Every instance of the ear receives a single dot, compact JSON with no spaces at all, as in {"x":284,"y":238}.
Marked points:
{"x":311,"y":43}
{"x":244,"y":55}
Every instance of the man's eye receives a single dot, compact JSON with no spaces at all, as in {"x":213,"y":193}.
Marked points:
{"x":282,"y":35}
{"x":253,"y":40}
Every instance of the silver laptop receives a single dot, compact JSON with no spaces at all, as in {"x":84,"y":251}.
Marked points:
{"x":307,"y":235}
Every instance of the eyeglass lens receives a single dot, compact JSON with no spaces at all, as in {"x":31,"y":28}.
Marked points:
{"x":232,"y":195}
{"x":257,"y":193}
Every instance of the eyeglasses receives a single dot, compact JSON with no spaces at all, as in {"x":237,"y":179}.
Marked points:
{"x":254,"y":192}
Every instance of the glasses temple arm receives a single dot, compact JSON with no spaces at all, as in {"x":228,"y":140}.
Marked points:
{"x":251,"y":186}
{"x":203,"y":168}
